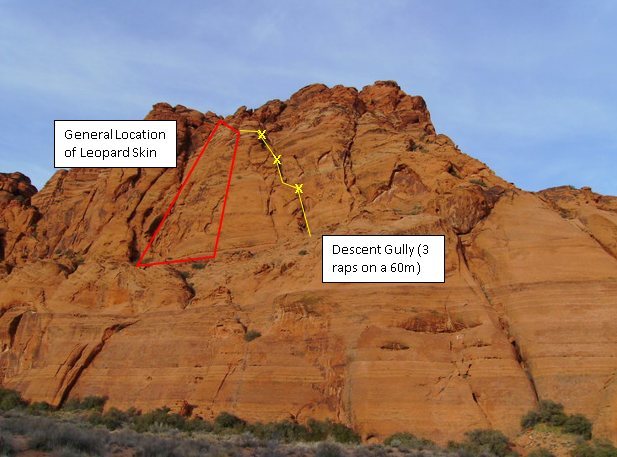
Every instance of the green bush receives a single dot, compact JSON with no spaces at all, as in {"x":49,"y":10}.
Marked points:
{"x":158,"y":417}
{"x":548,"y":412}
{"x":479,"y":442}
{"x":251,"y":335}
{"x":551,"y":413}
{"x":112,"y":419}
{"x":286,"y":431}
{"x":290,"y":432}
{"x":197,"y":424}
{"x":161,"y":417}
{"x":595,"y":448}
{"x":323,"y":430}
{"x":10,"y":399}
{"x":540,"y":452}
{"x":88,"y":403}
{"x":343,"y":434}
{"x":408,"y":441}
{"x":578,"y":424}
{"x":317,"y":430}
{"x":228,"y":421}
{"x":40,"y":407}
{"x":530,"y":420}
{"x":492,"y":440}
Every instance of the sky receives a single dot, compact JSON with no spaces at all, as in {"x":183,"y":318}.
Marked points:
{"x":528,"y":87}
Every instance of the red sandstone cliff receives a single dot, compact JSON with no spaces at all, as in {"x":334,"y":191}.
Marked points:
{"x":528,"y":308}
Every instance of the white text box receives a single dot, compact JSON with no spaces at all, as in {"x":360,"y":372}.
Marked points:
{"x":114,"y":144}
{"x":383,"y":258}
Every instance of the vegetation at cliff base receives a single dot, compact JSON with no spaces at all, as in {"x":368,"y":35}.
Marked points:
{"x":484,"y":442}
{"x":85,"y":427}
{"x":552,"y":413}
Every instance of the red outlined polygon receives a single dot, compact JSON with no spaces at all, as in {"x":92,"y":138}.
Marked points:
{"x":140,"y":262}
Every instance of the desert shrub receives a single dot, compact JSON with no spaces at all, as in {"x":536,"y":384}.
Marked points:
{"x":286,"y":431}
{"x":548,"y":412}
{"x":10,"y":399}
{"x":147,"y":445}
{"x":51,"y":436}
{"x":158,"y":447}
{"x":195,"y":448}
{"x":551,"y":413}
{"x":373,"y":450}
{"x":20,"y":425}
{"x":328,"y":450}
{"x":197,"y":424}
{"x":540,"y":452}
{"x":408,"y":441}
{"x":343,"y":434}
{"x":125,"y":438}
{"x":112,"y":419}
{"x":317,"y":430}
{"x":246,"y":440}
{"x":88,"y":403}
{"x":93,"y":402}
{"x":492,"y":440}
{"x":67,"y":452}
{"x":302,"y":252}
{"x":290,"y":432}
{"x":530,"y":419}
{"x":578,"y":424}
{"x":478,"y":442}
{"x":198,"y":266}
{"x":270,"y":449}
{"x":157,"y":418}
{"x":251,"y":335}
{"x":227,"y":421}
{"x":185,"y":274}
{"x":40,"y":407}
{"x":323,"y":430}
{"x":595,"y":448}
{"x":7,"y":444}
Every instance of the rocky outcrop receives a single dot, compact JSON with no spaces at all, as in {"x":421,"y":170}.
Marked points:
{"x":17,"y":217}
{"x":525,"y":312}
{"x":595,"y":214}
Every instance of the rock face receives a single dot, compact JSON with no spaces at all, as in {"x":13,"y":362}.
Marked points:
{"x":17,"y":217}
{"x":527,"y":310}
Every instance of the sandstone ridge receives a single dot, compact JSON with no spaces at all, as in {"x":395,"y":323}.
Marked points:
{"x":526,"y":312}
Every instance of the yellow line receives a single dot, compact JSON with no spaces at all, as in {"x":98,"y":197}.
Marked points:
{"x":278,"y":169}
{"x":269,"y":148}
{"x":308,"y":229}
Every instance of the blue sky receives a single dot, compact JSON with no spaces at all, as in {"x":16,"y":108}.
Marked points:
{"x":528,"y":87}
